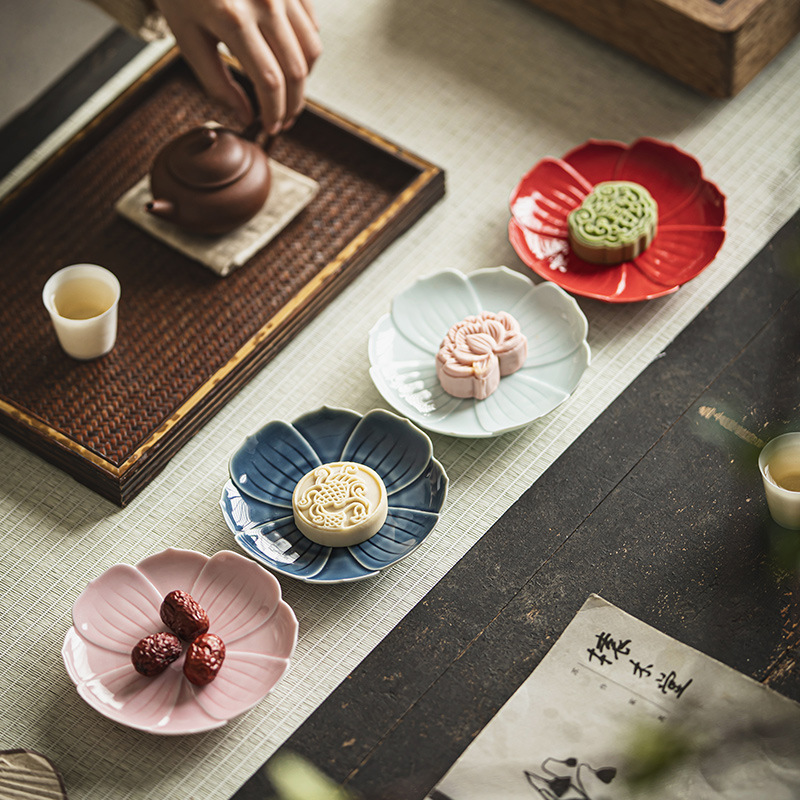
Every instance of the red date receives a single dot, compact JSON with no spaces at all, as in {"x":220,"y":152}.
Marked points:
{"x":153,"y":654}
{"x":204,"y":659}
{"x":184,"y":616}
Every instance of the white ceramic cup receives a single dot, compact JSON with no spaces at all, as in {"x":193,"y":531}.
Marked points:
{"x":82,"y":301}
{"x":779,"y":463}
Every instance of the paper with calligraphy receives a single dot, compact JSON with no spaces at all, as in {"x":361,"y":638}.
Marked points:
{"x":569,"y":731}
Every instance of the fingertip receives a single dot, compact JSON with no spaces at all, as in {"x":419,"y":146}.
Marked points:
{"x":290,"y":121}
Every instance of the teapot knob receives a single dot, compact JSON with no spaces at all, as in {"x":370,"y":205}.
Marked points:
{"x":161,"y":208}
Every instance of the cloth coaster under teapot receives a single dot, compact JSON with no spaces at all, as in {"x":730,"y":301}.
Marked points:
{"x":289,"y":194}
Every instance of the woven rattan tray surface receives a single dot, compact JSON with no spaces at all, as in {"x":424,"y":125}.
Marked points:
{"x":188,"y":340}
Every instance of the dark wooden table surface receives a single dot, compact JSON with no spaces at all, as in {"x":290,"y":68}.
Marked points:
{"x":657,"y":507}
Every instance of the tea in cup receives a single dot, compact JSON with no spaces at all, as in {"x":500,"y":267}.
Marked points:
{"x":82,"y":301}
{"x":779,"y":463}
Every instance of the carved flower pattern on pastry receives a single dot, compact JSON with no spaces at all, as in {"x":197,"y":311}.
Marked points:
{"x":691,"y":219}
{"x":478,"y":351}
{"x":121,"y":606}
{"x":403,"y":347}
{"x":268,"y":468}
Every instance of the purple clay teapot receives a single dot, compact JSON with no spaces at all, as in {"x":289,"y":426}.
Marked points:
{"x":209,"y":180}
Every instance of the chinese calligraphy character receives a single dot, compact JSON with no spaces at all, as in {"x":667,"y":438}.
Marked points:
{"x":599,"y":656}
{"x":667,"y":683}
{"x":606,"y":642}
{"x":641,"y":671}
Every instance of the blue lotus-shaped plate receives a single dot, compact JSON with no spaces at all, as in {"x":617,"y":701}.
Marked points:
{"x":257,"y":500}
{"x":404,"y":343}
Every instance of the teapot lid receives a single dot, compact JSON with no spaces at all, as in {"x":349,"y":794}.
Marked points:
{"x":209,"y":157}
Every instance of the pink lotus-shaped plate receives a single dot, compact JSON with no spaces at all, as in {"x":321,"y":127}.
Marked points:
{"x":691,"y":219}
{"x":116,"y":610}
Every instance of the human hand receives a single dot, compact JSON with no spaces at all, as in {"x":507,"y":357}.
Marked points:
{"x":275,"y":41}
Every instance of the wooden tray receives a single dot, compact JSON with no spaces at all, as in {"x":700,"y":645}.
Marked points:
{"x":716,"y":46}
{"x":188,"y":340}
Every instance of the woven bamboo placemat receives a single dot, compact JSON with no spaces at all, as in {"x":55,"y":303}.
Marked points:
{"x":187,"y":339}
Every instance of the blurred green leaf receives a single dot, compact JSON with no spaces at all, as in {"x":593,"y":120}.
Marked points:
{"x":294,"y":778}
{"x":653,"y":752}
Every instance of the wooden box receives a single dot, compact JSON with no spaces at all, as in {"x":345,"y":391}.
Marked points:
{"x":716,"y":46}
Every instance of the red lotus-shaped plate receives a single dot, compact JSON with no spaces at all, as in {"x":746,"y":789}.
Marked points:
{"x":691,"y":219}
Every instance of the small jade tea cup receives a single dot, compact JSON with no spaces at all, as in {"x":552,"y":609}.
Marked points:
{"x":82,"y":301}
{"x":779,"y":463}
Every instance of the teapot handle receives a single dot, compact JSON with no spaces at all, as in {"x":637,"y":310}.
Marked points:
{"x":254,"y":132}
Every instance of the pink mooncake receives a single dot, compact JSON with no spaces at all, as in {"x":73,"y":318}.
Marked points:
{"x":478,"y":351}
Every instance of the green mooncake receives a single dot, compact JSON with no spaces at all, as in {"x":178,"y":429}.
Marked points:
{"x":616,"y":222}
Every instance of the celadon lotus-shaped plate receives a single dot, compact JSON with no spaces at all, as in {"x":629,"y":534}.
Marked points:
{"x":257,"y":500}
{"x":121,"y":606}
{"x":404,"y":343}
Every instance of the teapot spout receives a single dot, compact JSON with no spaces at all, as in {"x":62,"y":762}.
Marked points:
{"x":162,"y":208}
